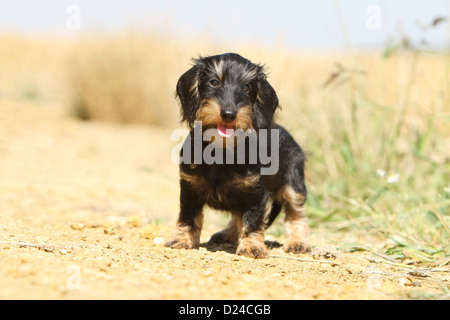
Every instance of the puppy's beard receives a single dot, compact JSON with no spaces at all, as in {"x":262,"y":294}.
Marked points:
{"x":217,"y":132}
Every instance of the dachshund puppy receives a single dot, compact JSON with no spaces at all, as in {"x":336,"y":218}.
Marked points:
{"x":236,"y":159}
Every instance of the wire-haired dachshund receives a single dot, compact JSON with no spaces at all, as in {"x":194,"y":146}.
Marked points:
{"x":228,"y":103}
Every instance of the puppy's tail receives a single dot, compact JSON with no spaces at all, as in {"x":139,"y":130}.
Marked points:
{"x":273,"y":214}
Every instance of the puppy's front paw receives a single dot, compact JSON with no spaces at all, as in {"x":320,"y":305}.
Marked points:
{"x":252,"y":248}
{"x":183,"y":240}
{"x":252,"y":252}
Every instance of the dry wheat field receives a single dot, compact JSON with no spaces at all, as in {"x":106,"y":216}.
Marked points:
{"x":89,"y":194}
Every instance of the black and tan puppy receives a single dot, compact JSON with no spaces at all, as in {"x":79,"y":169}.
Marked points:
{"x":227,"y":94}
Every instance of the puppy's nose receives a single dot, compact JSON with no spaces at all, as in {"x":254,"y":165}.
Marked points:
{"x":228,"y":115}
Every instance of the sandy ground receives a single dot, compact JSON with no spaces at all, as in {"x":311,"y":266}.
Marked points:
{"x":86,"y":207}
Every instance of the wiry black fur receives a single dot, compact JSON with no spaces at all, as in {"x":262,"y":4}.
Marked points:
{"x":242,"y":84}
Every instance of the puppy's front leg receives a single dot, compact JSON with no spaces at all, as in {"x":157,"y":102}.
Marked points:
{"x":251,"y":239}
{"x":190,"y":220}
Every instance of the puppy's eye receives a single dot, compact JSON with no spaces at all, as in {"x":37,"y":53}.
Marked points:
{"x":214,"y":83}
{"x":246,"y":88}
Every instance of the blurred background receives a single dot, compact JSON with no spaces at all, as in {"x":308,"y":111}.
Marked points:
{"x":87,"y":106}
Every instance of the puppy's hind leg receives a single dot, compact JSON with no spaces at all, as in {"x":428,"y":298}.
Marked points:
{"x":230,"y":234}
{"x":295,"y":223}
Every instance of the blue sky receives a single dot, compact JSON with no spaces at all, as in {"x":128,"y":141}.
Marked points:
{"x":319,"y":24}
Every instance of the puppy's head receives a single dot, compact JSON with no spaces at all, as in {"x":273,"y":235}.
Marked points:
{"x":227,"y":92}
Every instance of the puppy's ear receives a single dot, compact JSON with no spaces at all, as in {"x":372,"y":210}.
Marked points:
{"x":187,"y":92}
{"x":266,"y":102}
{"x":267,"y":96}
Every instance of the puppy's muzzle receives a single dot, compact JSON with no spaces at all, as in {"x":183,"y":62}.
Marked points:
{"x":228,"y":116}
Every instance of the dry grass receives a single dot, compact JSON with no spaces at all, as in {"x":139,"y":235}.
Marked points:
{"x":124,"y":78}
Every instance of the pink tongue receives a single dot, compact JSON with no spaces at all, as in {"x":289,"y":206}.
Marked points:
{"x":225,"y":131}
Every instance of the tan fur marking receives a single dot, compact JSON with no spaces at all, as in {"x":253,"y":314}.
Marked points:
{"x":297,"y":232}
{"x":189,"y":178}
{"x":209,"y":113}
{"x":295,"y":199}
{"x":251,"y":74}
{"x":252,"y":245}
{"x":243,"y":183}
{"x":187,"y":237}
{"x":196,"y":182}
{"x":258,"y":97}
{"x":200,"y":185}
{"x":244,"y":118}
{"x":194,"y":88}
{"x":295,"y":223}
{"x":218,"y":68}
